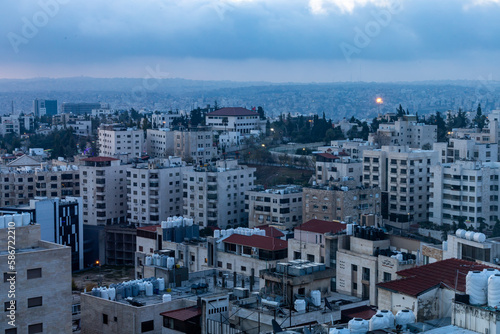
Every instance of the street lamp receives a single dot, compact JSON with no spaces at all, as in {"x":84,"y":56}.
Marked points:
{"x":100,"y":276}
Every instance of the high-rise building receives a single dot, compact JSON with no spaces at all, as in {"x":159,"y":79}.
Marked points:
{"x":120,"y":142}
{"x":103,"y":187}
{"x":215,"y":195}
{"x":81,"y":108}
{"x":235,"y":119}
{"x":44,"y":107}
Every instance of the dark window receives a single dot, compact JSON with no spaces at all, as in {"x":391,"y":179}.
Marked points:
{"x":34,"y":273}
{"x":11,"y":331}
{"x":147,"y":326}
{"x":8,"y":306}
{"x":7,"y":276}
{"x":387,"y":277}
{"x":34,"y":302}
{"x":104,"y":318}
{"x":36,"y":328}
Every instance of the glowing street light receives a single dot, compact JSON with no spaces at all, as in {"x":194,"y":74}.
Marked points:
{"x":379,"y":100}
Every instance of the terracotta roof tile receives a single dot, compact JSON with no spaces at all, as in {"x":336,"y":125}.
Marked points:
{"x":152,"y":228}
{"x":258,"y":241}
{"x":322,"y":226}
{"x":99,"y":159}
{"x":237,"y":111}
{"x":272,"y":232}
{"x":183,"y":314}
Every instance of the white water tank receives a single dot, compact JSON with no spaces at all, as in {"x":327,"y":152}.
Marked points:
{"x":104,"y":293}
{"x":223,"y":233}
{"x":217,"y":234}
{"x":170,"y":262}
{"x":378,"y":321}
{"x":350,"y":229}
{"x":18,"y":220}
{"x":167,"y":298}
{"x":494,"y":290}
{"x":149,"y":289}
{"x":26,"y":218}
{"x":161,"y":284}
{"x":479,"y":237}
{"x":445,"y":245}
{"x":389,"y":315}
{"x":339,"y":330}
{"x":142,"y":287}
{"x":157,"y":260}
{"x":476,"y":285}
{"x":300,"y":305}
{"x":490,"y":272}
{"x":358,"y":326}
{"x":164,"y":224}
{"x":405,"y":317}
{"x":2,"y":222}
{"x":316,"y":298}
{"x":112,"y":293}
{"x":469,"y":235}
{"x":460,"y":233}
{"x":148,"y":260}
{"x":8,"y":219}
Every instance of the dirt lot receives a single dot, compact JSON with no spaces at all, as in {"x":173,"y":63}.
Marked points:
{"x":273,"y":175}
{"x":110,"y":274}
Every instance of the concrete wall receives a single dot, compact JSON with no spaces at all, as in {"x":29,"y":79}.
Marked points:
{"x":475,"y":319}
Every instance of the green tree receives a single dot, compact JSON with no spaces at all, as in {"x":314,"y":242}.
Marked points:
{"x":400,"y":112}
{"x":261,"y":113}
{"x":496,"y":229}
{"x":480,"y":120}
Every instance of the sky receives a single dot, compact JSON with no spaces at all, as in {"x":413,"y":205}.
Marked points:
{"x":252,"y":40}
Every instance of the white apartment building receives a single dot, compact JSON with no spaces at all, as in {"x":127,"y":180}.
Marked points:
{"x":464,"y":190}
{"x":120,"y":142}
{"x":405,"y":132}
{"x":235,"y":119}
{"x":403,"y":177}
{"x":163,"y":119}
{"x":196,"y":144}
{"x":279,"y":206}
{"x":103,"y":187}
{"x":154,"y":191}
{"x":42,"y":282}
{"x":466,"y":149}
{"x":332,"y":168}
{"x":354,"y":148}
{"x":215,"y":195}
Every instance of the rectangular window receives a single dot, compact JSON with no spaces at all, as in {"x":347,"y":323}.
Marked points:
{"x":11,"y":331}
{"x":387,"y":277}
{"x":35,"y":328}
{"x":8,"y":306}
{"x":34,"y":273}
{"x":104,"y":318}
{"x":147,"y":326}
{"x":34,"y":302}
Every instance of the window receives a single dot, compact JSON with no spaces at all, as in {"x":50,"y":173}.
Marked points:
{"x":34,"y":302}
{"x":229,"y":266}
{"x":296,"y":255}
{"x":387,"y":277}
{"x":104,"y":318}
{"x":366,"y":274}
{"x":8,"y":277}
{"x":147,"y":326}
{"x":34,"y":273}
{"x":11,"y":331}
{"x":36,"y":328}
{"x":310,"y":257}
{"x":243,"y":268}
{"x":10,"y":305}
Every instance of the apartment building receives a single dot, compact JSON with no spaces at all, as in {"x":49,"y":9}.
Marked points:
{"x":195,"y":144}
{"x":336,"y":166}
{"x":343,"y":201}
{"x":215,"y":195}
{"x":354,"y":148}
{"x":406,"y":131}
{"x":279,"y":206}
{"x":235,"y":119}
{"x":42,"y":286}
{"x":163,"y":119}
{"x":464,"y":191}
{"x":21,"y":184}
{"x":403,"y":175}
{"x":103,"y":187}
{"x":120,"y":142}
{"x":466,"y":149}
{"x":154,"y":191}
{"x":61,"y":222}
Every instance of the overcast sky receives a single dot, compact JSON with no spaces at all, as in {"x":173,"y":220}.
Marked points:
{"x":252,"y":40}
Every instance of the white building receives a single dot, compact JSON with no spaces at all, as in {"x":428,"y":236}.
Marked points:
{"x":354,"y":148}
{"x":154,"y":191}
{"x":163,"y":119}
{"x":215,"y":195}
{"x":464,"y":190}
{"x":403,"y":177}
{"x":120,"y":142}
{"x":466,"y":149}
{"x":235,"y":119}
{"x":334,"y":167}
{"x":279,"y":206}
{"x":103,"y":187}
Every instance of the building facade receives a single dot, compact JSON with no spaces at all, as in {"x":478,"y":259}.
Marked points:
{"x":234,"y":119}
{"x":120,"y":142}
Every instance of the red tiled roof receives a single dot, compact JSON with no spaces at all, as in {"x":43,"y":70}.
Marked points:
{"x":363,"y":312}
{"x":183,"y":314}
{"x":327,"y":155}
{"x":149,"y":228}
{"x":322,"y":226}
{"x":272,"y":232}
{"x":99,"y":159}
{"x":238,"y":111}
{"x":258,"y":241}
{"x":420,"y":279}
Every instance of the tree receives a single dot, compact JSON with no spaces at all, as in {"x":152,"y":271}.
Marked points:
{"x":400,"y":112}
{"x":261,"y":113}
{"x":496,"y":229}
{"x":480,"y":120}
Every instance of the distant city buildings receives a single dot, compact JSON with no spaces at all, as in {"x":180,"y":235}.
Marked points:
{"x":237,"y":119}
{"x":81,"y":108}
{"x":120,"y":142}
{"x":44,"y":107}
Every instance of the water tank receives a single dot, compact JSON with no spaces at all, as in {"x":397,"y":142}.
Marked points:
{"x":149,"y":289}
{"x":104,"y":293}
{"x":378,"y":321}
{"x":120,"y":291}
{"x":2,"y":222}
{"x":389,"y":315}
{"x":460,"y":233}
{"x":494,"y":290}
{"x":316,"y":298}
{"x":112,"y":293}
{"x":135,"y":289}
{"x":128,"y":290}
{"x":490,"y":272}
{"x":445,"y":245}
{"x":167,"y":298}
{"x":161,"y":284}
{"x":405,"y":317}
{"x":399,"y":256}
{"x":479,"y":237}
{"x":18,"y":220}
{"x":358,"y":326}
{"x":217,"y":234}
{"x":224,"y":233}
{"x":163,"y":260}
{"x":26,"y":218}
{"x":469,"y":235}
{"x":170,"y":262}
{"x":300,"y":305}
{"x":8,"y":219}
{"x":142,"y":287}
{"x":350,"y":229}
{"x":339,"y":330}
{"x":164,"y":224}
{"x":157,"y":260}
{"x":476,"y":285}
{"x":148,"y":260}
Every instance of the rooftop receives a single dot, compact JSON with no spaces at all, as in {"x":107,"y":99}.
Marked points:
{"x":322,"y":226}
{"x":99,"y":159}
{"x":272,"y":232}
{"x":151,"y":228}
{"x":258,"y":241}
{"x":183,"y":314}
{"x":237,"y":111}
{"x":420,"y":279}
